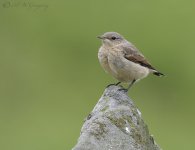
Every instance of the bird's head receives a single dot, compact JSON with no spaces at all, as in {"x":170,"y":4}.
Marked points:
{"x":111,"y":38}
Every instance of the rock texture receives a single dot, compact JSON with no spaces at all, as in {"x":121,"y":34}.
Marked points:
{"x":115,"y":124}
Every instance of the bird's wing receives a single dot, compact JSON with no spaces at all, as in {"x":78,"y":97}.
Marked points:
{"x":131,"y":53}
{"x":136,"y":58}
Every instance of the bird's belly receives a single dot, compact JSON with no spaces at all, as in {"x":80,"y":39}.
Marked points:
{"x":127,"y":71}
{"x":133,"y":71}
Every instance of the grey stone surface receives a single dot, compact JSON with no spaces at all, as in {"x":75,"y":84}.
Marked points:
{"x":115,"y":124}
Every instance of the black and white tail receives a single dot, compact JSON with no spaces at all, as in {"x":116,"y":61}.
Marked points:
{"x":158,"y":74}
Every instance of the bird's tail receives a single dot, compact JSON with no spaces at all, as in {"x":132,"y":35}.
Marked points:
{"x":158,"y":74}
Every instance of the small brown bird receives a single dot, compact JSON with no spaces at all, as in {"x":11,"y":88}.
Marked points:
{"x":123,"y":60}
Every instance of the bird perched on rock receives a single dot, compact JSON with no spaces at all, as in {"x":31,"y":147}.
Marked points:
{"x":123,"y":60}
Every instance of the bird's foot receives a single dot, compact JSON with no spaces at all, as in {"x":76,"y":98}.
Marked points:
{"x":110,"y":85}
{"x":113,"y":84}
{"x":130,"y":85}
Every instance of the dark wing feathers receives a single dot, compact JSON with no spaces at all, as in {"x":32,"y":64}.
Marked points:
{"x":136,"y":58}
{"x":131,"y":53}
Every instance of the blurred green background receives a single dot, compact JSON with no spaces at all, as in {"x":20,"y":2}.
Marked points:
{"x":50,"y":77}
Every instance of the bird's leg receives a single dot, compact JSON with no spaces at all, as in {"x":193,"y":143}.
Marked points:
{"x":117,"y":83}
{"x":130,"y":85}
{"x":113,"y":84}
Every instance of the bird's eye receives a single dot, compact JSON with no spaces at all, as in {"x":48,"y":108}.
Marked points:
{"x":113,"y":38}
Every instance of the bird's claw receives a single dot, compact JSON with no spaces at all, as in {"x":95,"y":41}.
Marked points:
{"x":116,"y":84}
{"x":110,"y":85}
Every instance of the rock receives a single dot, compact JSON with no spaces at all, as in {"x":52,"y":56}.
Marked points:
{"x":115,"y":124}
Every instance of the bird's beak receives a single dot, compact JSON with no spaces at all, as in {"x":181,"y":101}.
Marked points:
{"x":100,"y":37}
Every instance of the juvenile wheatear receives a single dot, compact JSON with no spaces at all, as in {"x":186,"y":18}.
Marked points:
{"x":123,"y":60}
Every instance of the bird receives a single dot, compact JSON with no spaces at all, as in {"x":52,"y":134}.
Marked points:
{"x":123,"y":60}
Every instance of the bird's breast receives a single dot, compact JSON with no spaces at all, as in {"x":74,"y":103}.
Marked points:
{"x":103,"y":59}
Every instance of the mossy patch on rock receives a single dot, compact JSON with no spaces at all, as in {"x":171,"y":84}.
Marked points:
{"x":99,"y":131}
